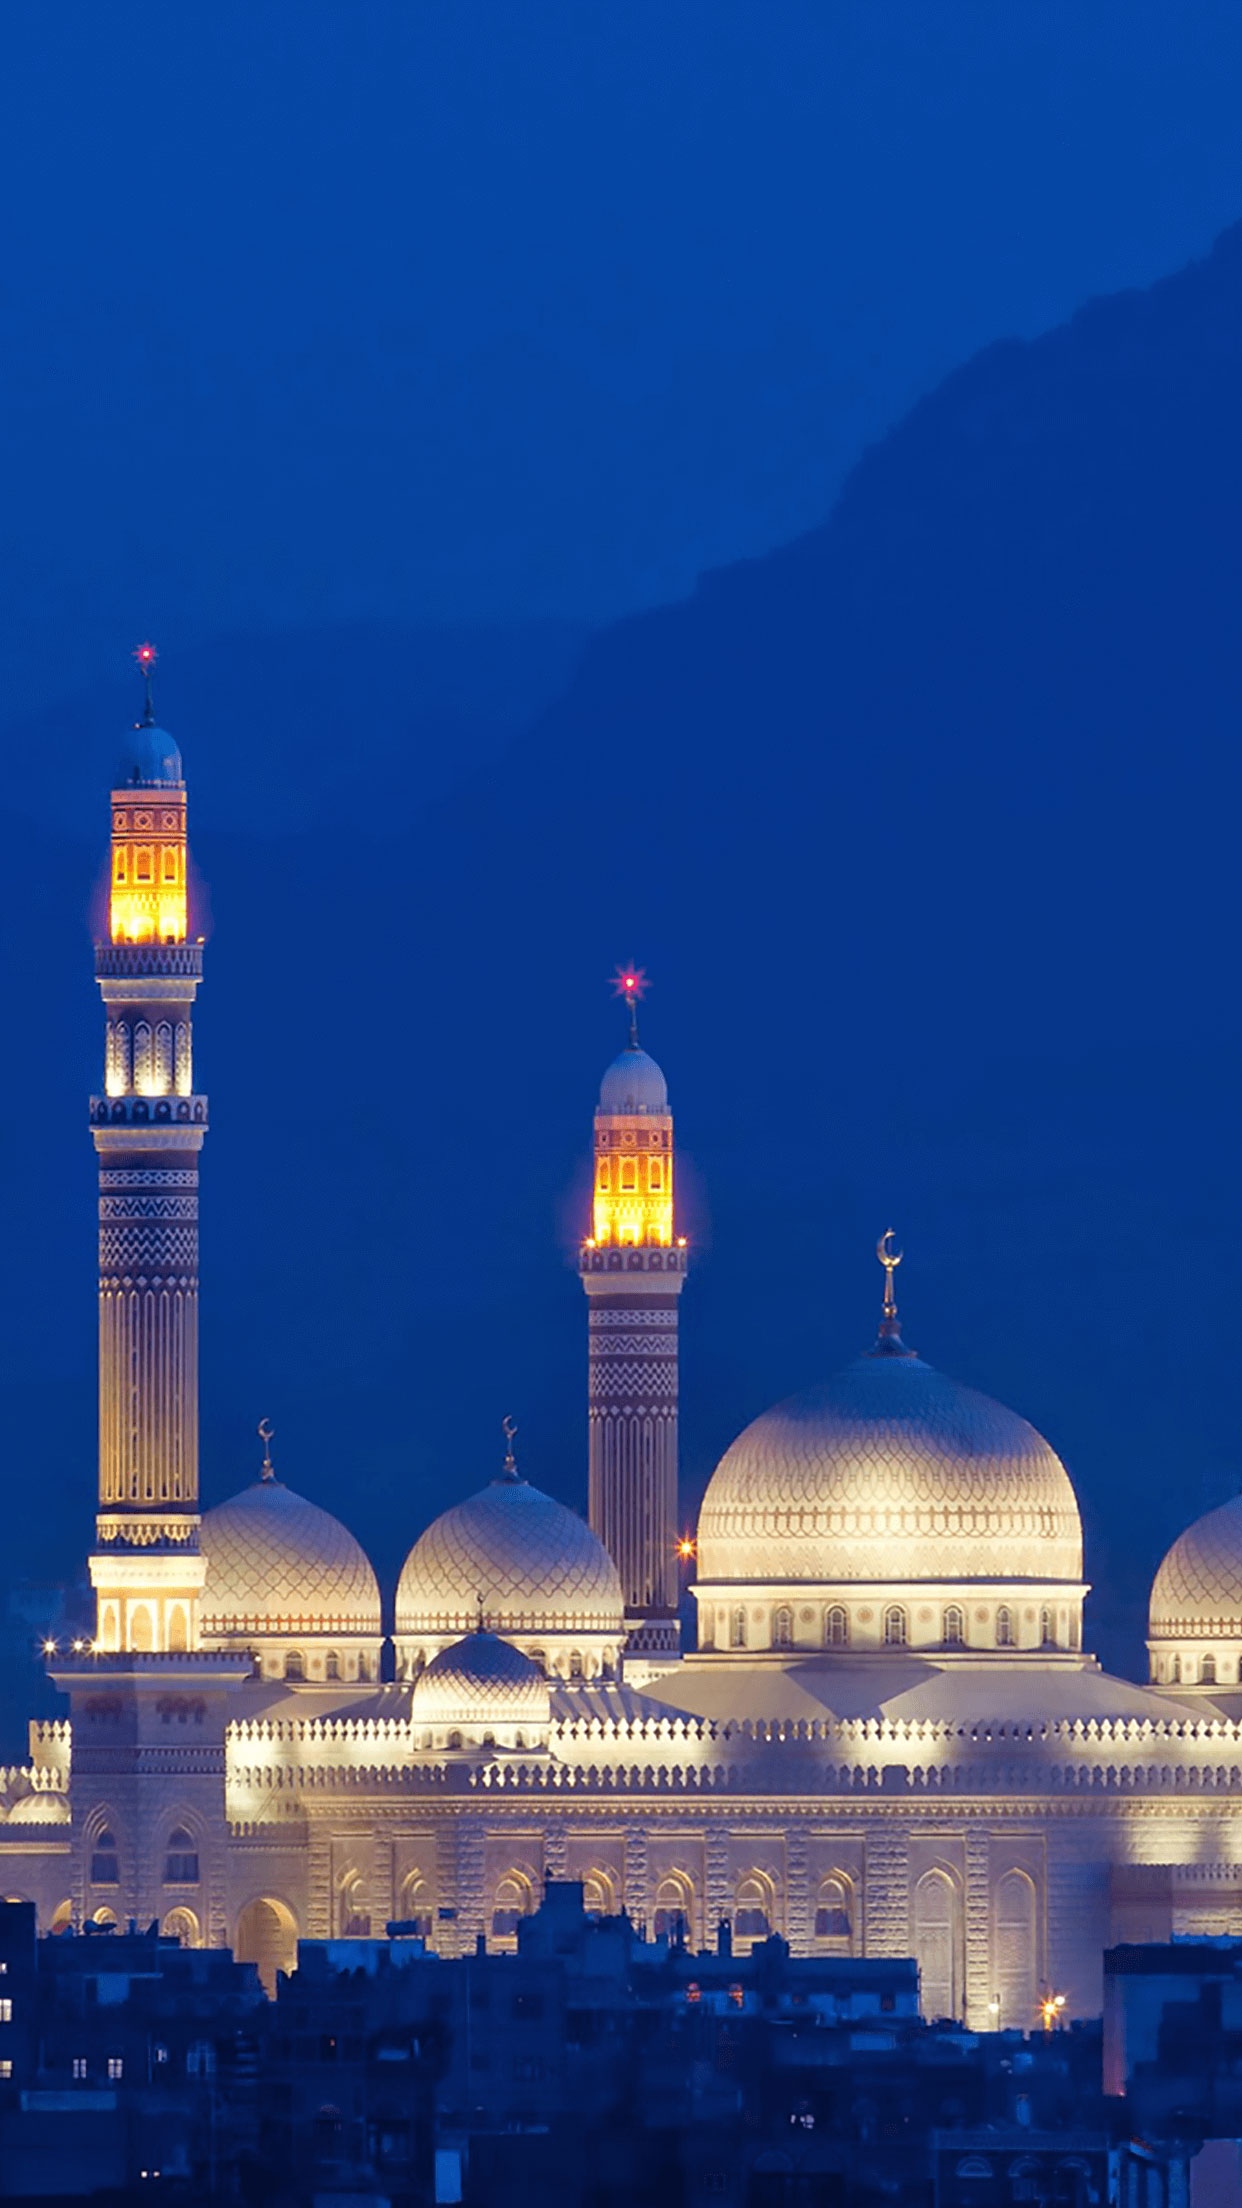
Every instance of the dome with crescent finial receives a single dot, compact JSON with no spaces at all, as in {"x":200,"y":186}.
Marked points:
{"x":283,"y":1574}
{"x":892,"y":1477}
{"x":538,"y":1571}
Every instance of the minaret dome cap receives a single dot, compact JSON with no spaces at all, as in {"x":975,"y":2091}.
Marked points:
{"x":633,"y":1084}
{"x":149,"y":760}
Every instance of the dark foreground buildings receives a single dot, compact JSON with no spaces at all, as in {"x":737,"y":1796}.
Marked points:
{"x":596,"y":2069}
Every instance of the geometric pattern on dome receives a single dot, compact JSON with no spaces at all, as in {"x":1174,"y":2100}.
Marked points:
{"x":277,"y":1564}
{"x":536,"y":1565}
{"x":1197,"y":1592}
{"x":481,"y":1670}
{"x":890,"y":1472}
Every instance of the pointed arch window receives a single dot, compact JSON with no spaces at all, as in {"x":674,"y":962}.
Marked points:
{"x":737,"y":1629}
{"x":1004,"y":1627}
{"x":833,"y":1916}
{"x":752,"y":1918}
{"x":895,"y":1634}
{"x":837,"y":1627}
{"x":105,"y":1860}
{"x":954,"y":1630}
{"x":1207,"y":1672}
{"x":782,"y":1627}
{"x":1047,"y":1630}
{"x":181,"y":1859}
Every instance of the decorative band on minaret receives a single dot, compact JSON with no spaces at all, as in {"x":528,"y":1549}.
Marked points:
{"x":633,"y":1267}
{"x":148,"y":1128}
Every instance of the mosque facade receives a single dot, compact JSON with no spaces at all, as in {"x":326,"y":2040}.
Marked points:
{"x":889,"y":1738}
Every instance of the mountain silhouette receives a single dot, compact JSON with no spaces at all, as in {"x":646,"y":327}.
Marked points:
{"x":926,"y":828}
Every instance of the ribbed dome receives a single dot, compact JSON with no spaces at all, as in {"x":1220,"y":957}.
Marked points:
{"x":40,"y":1809}
{"x":633,"y":1083}
{"x":277,"y":1564}
{"x":480,"y":1673}
{"x":149,"y":760}
{"x":889,"y":1472}
{"x":536,"y":1565}
{"x":1197,"y":1592}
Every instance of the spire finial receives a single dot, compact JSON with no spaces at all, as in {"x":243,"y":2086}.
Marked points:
{"x":631,"y":983}
{"x":508,"y":1427}
{"x":480,"y":1621}
{"x":146,"y":656}
{"x":266,"y":1432}
{"x":889,"y":1342}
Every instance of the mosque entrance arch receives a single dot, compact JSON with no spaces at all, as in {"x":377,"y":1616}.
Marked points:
{"x":267,"y":1935}
{"x":938,"y":1944}
{"x":1015,"y":1976}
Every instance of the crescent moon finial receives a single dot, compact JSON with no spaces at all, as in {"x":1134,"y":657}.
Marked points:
{"x":266,"y":1432}
{"x":890,"y":1259}
{"x":508,"y":1427}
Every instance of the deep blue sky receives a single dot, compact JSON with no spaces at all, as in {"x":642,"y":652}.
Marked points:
{"x":314,"y":312}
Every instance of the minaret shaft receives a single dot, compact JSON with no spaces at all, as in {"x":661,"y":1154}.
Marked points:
{"x":148,"y":1128}
{"x":633,"y":1269}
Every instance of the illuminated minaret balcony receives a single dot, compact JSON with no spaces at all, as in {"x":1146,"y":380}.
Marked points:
{"x":633,"y":1267}
{"x":148,"y":1127}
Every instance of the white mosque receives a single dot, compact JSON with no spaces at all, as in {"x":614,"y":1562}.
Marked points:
{"x":889,"y":1739}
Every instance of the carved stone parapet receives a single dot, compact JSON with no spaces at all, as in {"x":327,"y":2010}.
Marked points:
{"x":600,"y":1267}
{"x":125,"y":961}
{"x":151,"y":1113}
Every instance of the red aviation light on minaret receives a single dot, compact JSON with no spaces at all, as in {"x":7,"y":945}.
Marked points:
{"x":633,"y":1204}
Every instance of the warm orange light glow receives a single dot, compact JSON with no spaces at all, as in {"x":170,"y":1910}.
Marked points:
{"x":685,"y":1546}
{"x":633,"y":1181}
{"x":1050,"y":2008}
{"x":149,"y":902}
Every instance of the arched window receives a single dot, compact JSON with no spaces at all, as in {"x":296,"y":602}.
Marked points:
{"x":141,"y":1636}
{"x":105,"y":1860}
{"x":895,"y":1626}
{"x":512,"y":1903}
{"x":752,"y":1916}
{"x":332,"y":1665}
{"x":453,"y":1741}
{"x":1015,"y":1976}
{"x":674,"y":1907}
{"x":295,"y":1664}
{"x":1207,"y":1671}
{"x":575,"y":1665}
{"x":355,"y":1910}
{"x":938,"y":1944}
{"x":416,"y":1904}
{"x":1175,"y":1671}
{"x":599,"y":1894}
{"x":837,"y":1627}
{"x":953,"y":1632}
{"x":1047,"y":1630}
{"x":833,"y":1916}
{"x":782,"y":1627}
{"x":181,"y":1859}
{"x":1004,"y":1627}
{"x":737,"y":1629}
{"x":183,"y":1925}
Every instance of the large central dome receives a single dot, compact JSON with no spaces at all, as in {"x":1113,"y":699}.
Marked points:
{"x":890,"y":1472}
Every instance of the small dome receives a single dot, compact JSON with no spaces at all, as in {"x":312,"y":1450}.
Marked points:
{"x":277,"y":1564}
{"x":633,"y":1083}
{"x":149,"y":760}
{"x":40,"y":1809}
{"x":1197,"y":1592}
{"x":536,"y":1565}
{"x":889,"y":1472}
{"x":480,"y":1674}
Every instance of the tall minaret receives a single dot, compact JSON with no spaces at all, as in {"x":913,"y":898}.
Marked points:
{"x":148,"y":1127}
{"x":633,"y":1266}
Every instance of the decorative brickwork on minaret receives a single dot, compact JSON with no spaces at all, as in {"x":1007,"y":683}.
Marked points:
{"x":148,"y":1128}
{"x":633,"y":1267}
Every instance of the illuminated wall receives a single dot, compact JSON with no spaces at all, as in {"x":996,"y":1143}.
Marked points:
{"x":633,"y":1205}
{"x":148,"y":900}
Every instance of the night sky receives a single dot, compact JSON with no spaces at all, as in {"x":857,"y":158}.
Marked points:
{"x":374,"y":361}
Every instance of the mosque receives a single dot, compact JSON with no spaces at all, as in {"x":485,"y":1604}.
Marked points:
{"x":889,"y":1738}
